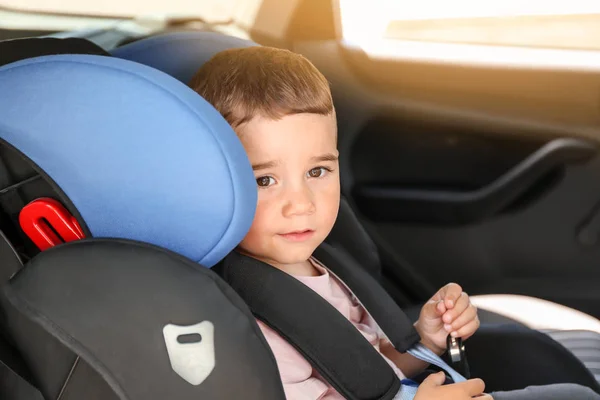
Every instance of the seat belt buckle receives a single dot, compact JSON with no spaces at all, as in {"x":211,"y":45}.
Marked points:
{"x":458,"y":356}
{"x":48,"y":223}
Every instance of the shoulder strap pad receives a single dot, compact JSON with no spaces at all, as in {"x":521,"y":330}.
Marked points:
{"x":390,"y":317}
{"x":338,"y":352}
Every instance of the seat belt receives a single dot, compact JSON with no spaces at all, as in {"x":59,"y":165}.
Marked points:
{"x":390,"y":318}
{"x":340,"y":353}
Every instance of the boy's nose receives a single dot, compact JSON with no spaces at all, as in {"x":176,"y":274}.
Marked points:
{"x":299,"y":201}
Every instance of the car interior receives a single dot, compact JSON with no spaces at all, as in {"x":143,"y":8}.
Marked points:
{"x":472,"y":173}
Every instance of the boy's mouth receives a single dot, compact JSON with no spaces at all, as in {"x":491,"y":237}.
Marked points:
{"x":298,"y":236}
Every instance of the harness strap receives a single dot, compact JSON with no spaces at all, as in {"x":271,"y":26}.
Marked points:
{"x":339,"y":353}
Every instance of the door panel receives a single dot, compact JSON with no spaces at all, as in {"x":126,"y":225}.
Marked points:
{"x":484,"y":176}
{"x":428,"y":178}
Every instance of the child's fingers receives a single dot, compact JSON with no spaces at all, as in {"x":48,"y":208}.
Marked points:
{"x":433,"y":309}
{"x":441,"y":308}
{"x":467,"y":330}
{"x":461,"y":305}
{"x":450,"y":294}
{"x":471,"y":387}
{"x":467,"y":316}
{"x":434,"y":380}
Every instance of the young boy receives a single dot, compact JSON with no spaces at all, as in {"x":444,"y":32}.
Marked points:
{"x":281,"y":107}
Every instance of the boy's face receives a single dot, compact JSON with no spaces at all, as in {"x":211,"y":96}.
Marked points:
{"x":295,"y":162}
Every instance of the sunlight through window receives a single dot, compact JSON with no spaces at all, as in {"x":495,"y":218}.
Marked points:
{"x":573,"y":24}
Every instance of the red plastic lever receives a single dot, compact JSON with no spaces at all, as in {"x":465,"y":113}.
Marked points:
{"x":47,"y":223}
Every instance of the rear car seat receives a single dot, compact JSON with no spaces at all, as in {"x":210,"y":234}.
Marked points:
{"x":181,"y":54}
{"x":584,"y":344}
{"x":108,"y":335}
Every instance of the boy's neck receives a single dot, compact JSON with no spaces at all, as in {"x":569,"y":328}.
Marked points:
{"x":304,"y":268}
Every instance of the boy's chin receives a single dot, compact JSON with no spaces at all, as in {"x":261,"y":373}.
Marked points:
{"x":289,"y":255}
{"x":295,"y":258}
{"x":294,"y":254}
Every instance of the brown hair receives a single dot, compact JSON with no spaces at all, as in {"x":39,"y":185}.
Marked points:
{"x":262,"y":81}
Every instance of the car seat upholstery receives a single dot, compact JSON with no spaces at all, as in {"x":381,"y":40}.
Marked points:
{"x":143,"y":161}
{"x":182,"y":54}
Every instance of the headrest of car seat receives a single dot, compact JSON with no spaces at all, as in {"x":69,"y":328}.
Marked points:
{"x":139,"y":155}
{"x":179,"y":54}
{"x":20,"y":49}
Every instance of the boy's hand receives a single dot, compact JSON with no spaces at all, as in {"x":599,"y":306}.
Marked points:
{"x":449,"y":311}
{"x":432,"y":389}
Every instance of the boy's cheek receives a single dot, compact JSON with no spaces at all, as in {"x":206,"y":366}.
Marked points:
{"x":259,"y":228}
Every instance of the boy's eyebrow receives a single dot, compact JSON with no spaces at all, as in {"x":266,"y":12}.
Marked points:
{"x":265,"y":165}
{"x":325,"y":157}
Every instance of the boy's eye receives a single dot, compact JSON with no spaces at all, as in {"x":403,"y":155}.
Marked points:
{"x":265,"y":181}
{"x":317,"y":172}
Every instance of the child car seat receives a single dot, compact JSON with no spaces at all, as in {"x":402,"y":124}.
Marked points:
{"x":101,"y":333}
{"x":122,"y":144}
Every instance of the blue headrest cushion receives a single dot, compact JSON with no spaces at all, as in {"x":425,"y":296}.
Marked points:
{"x":140,"y":155}
{"x":179,"y":54}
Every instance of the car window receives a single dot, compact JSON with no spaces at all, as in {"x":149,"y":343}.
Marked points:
{"x":572,"y":24}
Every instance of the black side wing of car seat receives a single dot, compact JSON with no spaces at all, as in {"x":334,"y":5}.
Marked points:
{"x":91,"y":319}
{"x":317,"y":330}
{"x":15,"y":379}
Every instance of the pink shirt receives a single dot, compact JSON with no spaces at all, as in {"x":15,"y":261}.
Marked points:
{"x":300,"y":381}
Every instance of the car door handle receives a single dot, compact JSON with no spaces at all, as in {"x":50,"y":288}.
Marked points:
{"x":456,"y":207}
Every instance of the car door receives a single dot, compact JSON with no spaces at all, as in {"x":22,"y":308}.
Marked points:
{"x":475,"y":162}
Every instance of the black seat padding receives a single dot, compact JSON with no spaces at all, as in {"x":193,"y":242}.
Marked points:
{"x":66,"y":312}
{"x":16,"y":382}
{"x":10,"y":262}
{"x":15,"y":379}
